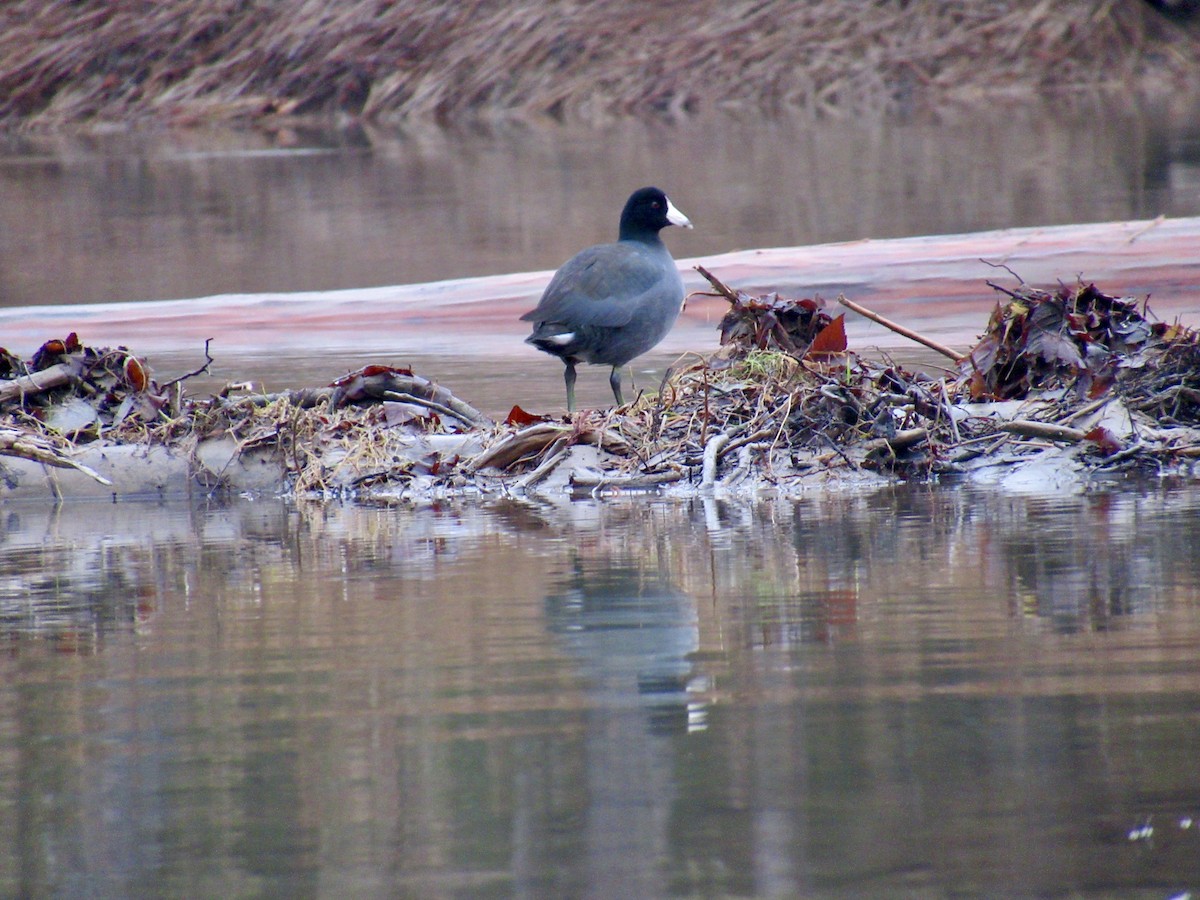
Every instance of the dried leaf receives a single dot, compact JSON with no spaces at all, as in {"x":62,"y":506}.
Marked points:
{"x":830,"y":339}
{"x":72,"y":417}
{"x":135,"y":373}
{"x":1055,"y":348}
{"x":520,"y":418}
{"x":1105,"y":440}
{"x":370,"y":372}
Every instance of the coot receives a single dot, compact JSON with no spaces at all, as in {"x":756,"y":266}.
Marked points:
{"x":612,"y":302}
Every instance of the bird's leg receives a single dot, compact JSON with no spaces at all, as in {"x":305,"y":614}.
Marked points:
{"x":615,"y":380}
{"x":569,"y":378}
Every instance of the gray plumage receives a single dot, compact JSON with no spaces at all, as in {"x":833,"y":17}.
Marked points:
{"x":613,"y":302}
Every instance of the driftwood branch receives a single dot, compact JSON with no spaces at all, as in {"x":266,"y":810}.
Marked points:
{"x":36,"y":382}
{"x":1044,"y":430}
{"x":901,"y":440}
{"x":384,"y":385}
{"x":526,"y":442}
{"x":712,"y":455}
{"x":901,"y":330}
{"x":554,"y":455}
{"x":19,"y":444}
{"x":644,"y":481}
{"x":387,"y":383}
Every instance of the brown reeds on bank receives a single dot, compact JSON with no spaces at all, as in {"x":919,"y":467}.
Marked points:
{"x":186,"y":61}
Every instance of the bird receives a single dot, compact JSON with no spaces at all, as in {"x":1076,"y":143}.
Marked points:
{"x":612,"y":302}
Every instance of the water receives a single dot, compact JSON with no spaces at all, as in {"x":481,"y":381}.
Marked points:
{"x":130,"y":216}
{"x":911,"y":692}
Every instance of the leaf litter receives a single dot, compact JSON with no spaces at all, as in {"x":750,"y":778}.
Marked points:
{"x":1070,"y":374}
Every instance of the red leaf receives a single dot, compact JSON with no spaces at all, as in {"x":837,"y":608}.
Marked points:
{"x":830,"y":339}
{"x":520,"y":418}
{"x":1105,"y":440}
{"x":1100,"y":384}
{"x":368,"y":371}
{"x":135,"y":373}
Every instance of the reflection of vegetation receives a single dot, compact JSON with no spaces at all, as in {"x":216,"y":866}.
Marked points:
{"x":73,"y":596}
{"x":449,"y":696}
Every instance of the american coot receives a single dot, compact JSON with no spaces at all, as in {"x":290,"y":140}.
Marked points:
{"x":612,"y":302}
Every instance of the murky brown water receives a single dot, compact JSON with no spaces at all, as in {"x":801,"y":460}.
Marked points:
{"x":917,"y":692}
{"x":149,"y":216}
{"x":165,"y":215}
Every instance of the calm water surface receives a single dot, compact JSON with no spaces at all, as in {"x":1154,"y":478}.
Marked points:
{"x":914,"y":692}
{"x":129,"y":216}
{"x":151,"y":216}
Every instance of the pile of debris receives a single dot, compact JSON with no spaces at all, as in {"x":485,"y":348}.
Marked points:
{"x":1071,"y":378}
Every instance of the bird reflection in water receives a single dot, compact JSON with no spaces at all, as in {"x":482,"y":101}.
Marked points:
{"x":633,"y":633}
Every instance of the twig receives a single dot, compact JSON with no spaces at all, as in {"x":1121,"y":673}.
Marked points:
{"x":712,"y":455}
{"x":997,"y":287}
{"x":719,"y":286}
{"x":1123,"y":454}
{"x":760,"y":435}
{"x":901,"y":440}
{"x":1045,"y":430}
{"x":208,"y":361}
{"x":1150,"y":226}
{"x":431,"y":405}
{"x":625,"y":482}
{"x":949,"y":408}
{"x":1084,"y":411}
{"x":36,"y":382}
{"x":1005,"y":267}
{"x":900,"y":329}
{"x":15,"y":443}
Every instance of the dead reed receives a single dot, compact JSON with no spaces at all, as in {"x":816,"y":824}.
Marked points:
{"x":187,"y":61}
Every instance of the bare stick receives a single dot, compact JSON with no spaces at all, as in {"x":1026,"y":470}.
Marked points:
{"x":712,"y":455}
{"x":36,"y":382}
{"x":900,"y":329}
{"x":988,"y":262}
{"x":15,"y":443}
{"x":719,"y":286}
{"x":1149,"y":226}
{"x":1004,"y":290}
{"x":1046,"y":430}
{"x":208,"y":361}
{"x":901,"y":440}
{"x":627,"y":482}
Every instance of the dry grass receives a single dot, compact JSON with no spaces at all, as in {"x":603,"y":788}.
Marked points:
{"x":183,"y":61}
